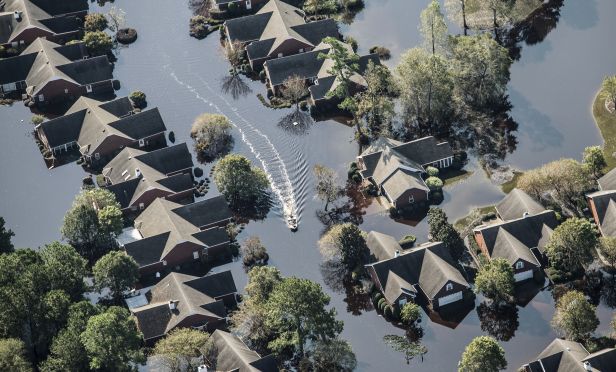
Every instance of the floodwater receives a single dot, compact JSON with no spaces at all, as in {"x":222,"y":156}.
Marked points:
{"x":183,"y":76}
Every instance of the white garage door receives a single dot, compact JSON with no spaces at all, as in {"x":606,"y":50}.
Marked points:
{"x":523,"y":275}
{"x":449,"y":299}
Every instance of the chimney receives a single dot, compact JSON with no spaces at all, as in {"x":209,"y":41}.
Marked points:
{"x":397,"y":254}
{"x":173,"y":305}
{"x":587,"y":366}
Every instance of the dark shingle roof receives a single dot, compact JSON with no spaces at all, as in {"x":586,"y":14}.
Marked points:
{"x":569,"y":356}
{"x":233,"y":355}
{"x":88,"y":71}
{"x":148,"y":250}
{"x":192,"y":297}
{"x":382,"y":246}
{"x":205,"y":212}
{"x":247,"y":28}
{"x":605,"y":205}
{"x":305,"y":65}
{"x":513,"y":239}
{"x":316,"y":31}
{"x":430,"y":266}
{"x":55,"y":7}
{"x":62,"y":130}
{"x":608,"y":181}
{"x":15,"y":69}
{"x":515,"y":204}
{"x":213,"y":237}
{"x":141,"y":125}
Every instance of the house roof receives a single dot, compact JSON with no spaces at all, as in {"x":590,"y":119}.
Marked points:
{"x":274,"y":24}
{"x":401,"y":181}
{"x":605,"y":206}
{"x":514,"y":239}
{"x":382,"y":246}
{"x":515,"y":204}
{"x":127,"y":193}
{"x":234,"y":355}
{"x":46,"y":15}
{"x":608,"y":181}
{"x":166,"y":224}
{"x":194,"y":296}
{"x":429,"y":266}
{"x":568,"y":356}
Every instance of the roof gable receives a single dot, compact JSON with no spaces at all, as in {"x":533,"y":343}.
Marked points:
{"x":516,"y":204}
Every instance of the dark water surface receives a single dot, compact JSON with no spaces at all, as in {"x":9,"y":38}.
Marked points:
{"x":182,"y":76}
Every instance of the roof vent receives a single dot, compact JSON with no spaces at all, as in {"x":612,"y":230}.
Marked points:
{"x":525,"y":214}
{"x":137,"y":173}
{"x":17,"y":15}
{"x":173,"y":305}
{"x":202,"y":368}
{"x":397,"y":254}
{"x":158,"y":274}
{"x":587,"y":366}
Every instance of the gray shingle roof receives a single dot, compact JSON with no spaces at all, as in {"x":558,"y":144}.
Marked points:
{"x":234,"y":355}
{"x":382,"y":246}
{"x":205,"y":212}
{"x":608,"y":181}
{"x":514,"y":239}
{"x":401,"y":181}
{"x":193,"y":296}
{"x":429,"y":266}
{"x":605,"y":205}
{"x":516,"y":203}
{"x":569,"y":356}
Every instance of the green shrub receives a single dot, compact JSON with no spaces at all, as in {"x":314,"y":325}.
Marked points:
{"x":410,"y":314}
{"x":434,"y":183}
{"x":436,"y":197}
{"x":352,"y":42}
{"x":138,"y":98}
{"x":100,"y":180}
{"x":37,"y":119}
{"x":377,"y":296}
{"x":388,"y":312}
{"x":408,"y":241}
{"x":98,"y":43}
{"x":432,"y":171}
{"x":199,"y":27}
{"x":381,"y":303}
{"x":95,"y":22}
{"x":383,"y":52}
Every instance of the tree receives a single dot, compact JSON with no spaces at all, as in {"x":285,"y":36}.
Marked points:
{"x":456,"y":11}
{"x":6,"y":246}
{"x":483,"y":354}
{"x":98,"y":43}
{"x":234,"y":54}
{"x":327,"y":186}
{"x":212,"y":135}
{"x":426,"y":87}
{"x":112,"y":341}
{"x":345,"y":244}
{"x":375,"y":104}
{"x":404,"y":345}
{"x":481,"y":70}
{"x":296,"y":309}
{"x":410,"y":314}
{"x":92,"y":223}
{"x":95,"y":22}
{"x":181,"y":347}
{"x":608,"y":89}
{"x":566,"y":180}
{"x":319,"y":6}
{"x":67,"y":350}
{"x":607,"y":247}
{"x":433,"y":28}
{"x":594,"y":161}
{"x":441,"y":230}
{"x":245,"y":187}
{"x":345,"y":63}
{"x":571,"y":245}
{"x":294,"y":89}
{"x":500,"y":9}
{"x":495,"y":280}
{"x":138,"y":98}
{"x":254,"y":252}
{"x":575,"y":317}
{"x":116,"y":271}
{"x":333,"y":355}
{"x":116,"y":18}
{"x":12,"y":356}
{"x":64,"y":269}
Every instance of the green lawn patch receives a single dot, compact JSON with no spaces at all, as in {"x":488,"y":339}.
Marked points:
{"x":607,"y":126}
{"x":508,"y":186}
{"x":463,"y":222}
{"x":451,"y":176}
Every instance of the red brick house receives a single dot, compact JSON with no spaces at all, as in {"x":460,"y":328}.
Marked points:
{"x":185,"y":301}
{"x":277,"y":30}
{"x":397,"y":168}
{"x":168,"y":235}
{"x":100,"y":130}
{"x":23,"y":21}
{"x":137,"y":178}
{"x":603,"y":207}
{"x":49,"y":73}
{"x":520,"y":241}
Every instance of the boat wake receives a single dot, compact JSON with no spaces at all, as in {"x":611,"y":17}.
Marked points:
{"x":261,"y":147}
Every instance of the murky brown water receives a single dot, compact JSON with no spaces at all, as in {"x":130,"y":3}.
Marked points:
{"x":182,"y":76}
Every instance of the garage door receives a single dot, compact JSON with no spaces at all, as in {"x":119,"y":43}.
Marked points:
{"x":523,"y":275}
{"x":449,"y":299}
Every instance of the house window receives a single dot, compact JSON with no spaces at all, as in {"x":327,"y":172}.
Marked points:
{"x":196,"y":255}
{"x":280,"y":55}
{"x":88,"y":88}
{"x":141,"y":206}
{"x":301,"y":50}
{"x":97,"y":156}
{"x":449,"y":287}
{"x":164,"y":263}
{"x":411,"y":199}
{"x":519,"y":265}
{"x":141,"y":142}
{"x":41,"y":98}
{"x":402,"y":302}
{"x":65,"y":91}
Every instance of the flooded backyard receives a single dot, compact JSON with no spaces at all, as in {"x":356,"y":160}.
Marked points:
{"x":552,"y":87}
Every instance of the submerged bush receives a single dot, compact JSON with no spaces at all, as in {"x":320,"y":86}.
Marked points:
{"x":95,"y":22}
{"x":138,"y":98}
{"x":383,"y":52}
{"x":212,"y":135}
{"x":199,"y":27}
{"x":37,"y":119}
{"x":432,"y":171}
{"x":98,"y":43}
{"x":434,"y":183}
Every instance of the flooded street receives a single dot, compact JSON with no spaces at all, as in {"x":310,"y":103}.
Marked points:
{"x":552,"y":88}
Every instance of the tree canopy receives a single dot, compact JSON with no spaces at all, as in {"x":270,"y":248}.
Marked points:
{"x":333,"y":355}
{"x":495,"y":280}
{"x":594,"y":161}
{"x":433,"y":28}
{"x":212,"y":135}
{"x":483,"y":354}
{"x":116,"y":271}
{"x":98,"y":43}
{"x":575,"y":317}
{"x":244,"y":186}
{"x":12,"y":356}
{"x":572,"y":245}
{"x":6,"y":246}
{"x":346,"y":245}
{"x":442,"y":231}
{"x":327,"y":186}
{"x":95,"y":22}
{"x":179,"y":350}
